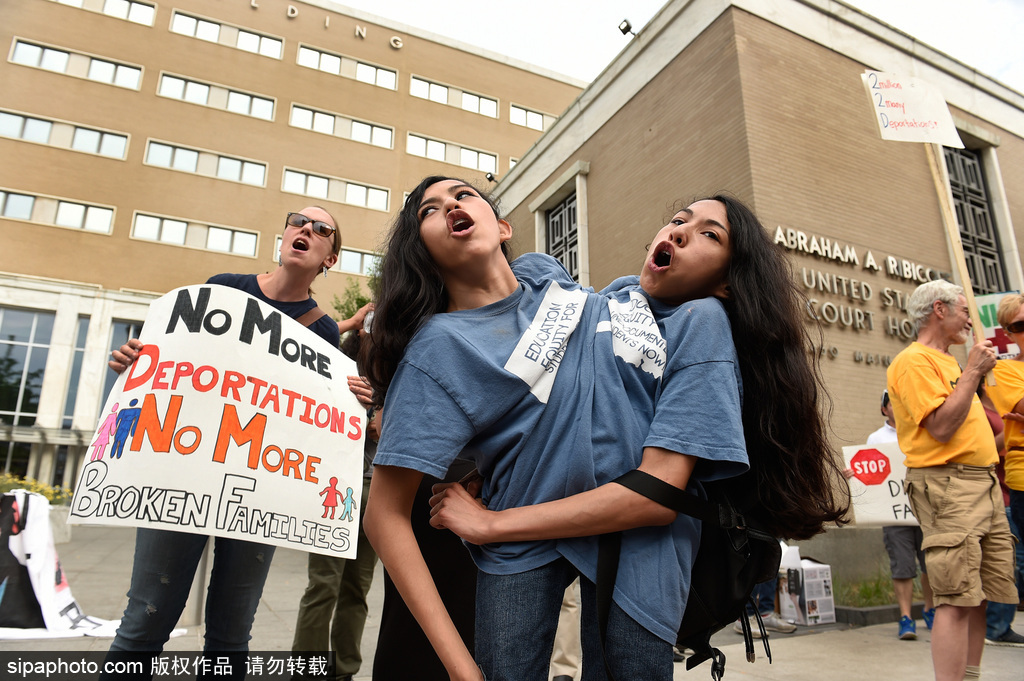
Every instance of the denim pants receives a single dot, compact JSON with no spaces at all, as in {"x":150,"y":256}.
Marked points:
{"x":999,"y":616}
{"x":165,"y":565}
{"x":516,"y":618}
{"x":764,"y":595}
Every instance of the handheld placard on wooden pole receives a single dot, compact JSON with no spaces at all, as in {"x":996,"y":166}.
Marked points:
{"x":910,"y":110}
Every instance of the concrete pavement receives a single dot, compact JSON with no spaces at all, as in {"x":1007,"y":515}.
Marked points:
{"x":97,"y":562}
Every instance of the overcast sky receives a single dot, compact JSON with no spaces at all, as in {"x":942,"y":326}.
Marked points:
{"x":580,"y":37}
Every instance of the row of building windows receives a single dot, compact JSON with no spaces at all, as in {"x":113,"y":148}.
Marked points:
{"x":451,"y":153}
{"x":129,"y":10}
{"x":77,"y":65}
{"x":216,"y":96}
{"x":62,"y":134}
{"x":61,"y":212}
{"x":205,"y":163}
{"x":221,"y":97}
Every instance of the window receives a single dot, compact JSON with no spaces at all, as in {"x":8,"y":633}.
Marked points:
{"x":129,"y":10}
{"x":84,"y":139}
{"x":74,"y":376}
{"x":335,"y":189}
{"x":974,"y":216}
{"x":562,"y":235}
{"x":57,"y":212}
{"x":99,"y":70}
{"x":439,"y":151}
{"x":24,"y":346}
{"x":181,"y":232}
{"x":194,"y":161}
{"x":444,"y":94}
{"x":17,"y":206}
{"x":531,"y":119}
{"x":225,"y":34}
{"x":340,"y":125}
{"x":347,"y":67}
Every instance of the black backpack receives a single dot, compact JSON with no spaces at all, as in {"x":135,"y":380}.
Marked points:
{"x":733,"y":557}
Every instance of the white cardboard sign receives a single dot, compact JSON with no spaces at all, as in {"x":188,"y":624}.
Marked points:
{"x":235,"y":421}
{"x":877,"y":489}
{"x":909,"y":109}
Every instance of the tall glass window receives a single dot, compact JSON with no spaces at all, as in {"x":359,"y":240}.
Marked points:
{"x":75,"y":373}
{"x":974,"y":216}
{"x":24,"y":345}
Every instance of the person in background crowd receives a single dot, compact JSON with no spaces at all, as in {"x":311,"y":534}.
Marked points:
{"x":950,"y":457}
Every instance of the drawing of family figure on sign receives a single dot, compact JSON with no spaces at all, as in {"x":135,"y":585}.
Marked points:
{"x":120,"y":424}
{"x":332,"y":495}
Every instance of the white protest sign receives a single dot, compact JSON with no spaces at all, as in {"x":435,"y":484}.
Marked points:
{"x":235,"y":421}
{"x":909,"y":109}
{"x":876,"y":488}
{"x":988,"y":306}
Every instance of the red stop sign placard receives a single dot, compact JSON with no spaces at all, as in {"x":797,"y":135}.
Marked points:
{"x":870,"y":466}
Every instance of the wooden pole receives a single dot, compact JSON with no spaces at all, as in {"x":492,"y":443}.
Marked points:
{"x":937,"y":164}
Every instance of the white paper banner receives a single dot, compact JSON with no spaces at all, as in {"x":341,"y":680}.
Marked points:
{"x":909,"y":109}
{"x":235,"y":421}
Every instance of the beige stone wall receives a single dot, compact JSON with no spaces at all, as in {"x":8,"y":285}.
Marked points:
{"x":117,"y":261}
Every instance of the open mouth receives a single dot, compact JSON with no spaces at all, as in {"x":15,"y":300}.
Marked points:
{"x":662,"y":255}
{"x":300,"y":244}
{"x":459,"y":221}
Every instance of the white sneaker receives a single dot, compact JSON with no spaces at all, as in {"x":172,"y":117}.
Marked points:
{"x":772,"y":622}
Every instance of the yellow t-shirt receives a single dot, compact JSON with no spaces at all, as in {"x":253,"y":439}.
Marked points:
{"x":1005,"y":394}
{"x":919,"y":380}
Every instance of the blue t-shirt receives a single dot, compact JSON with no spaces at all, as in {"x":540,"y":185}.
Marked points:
{"x":477,"y":384}
{"x":666,"y":376}
{"x":325,"y":327}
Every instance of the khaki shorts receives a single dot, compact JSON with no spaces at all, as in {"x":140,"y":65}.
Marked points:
{"x":967,"y":542}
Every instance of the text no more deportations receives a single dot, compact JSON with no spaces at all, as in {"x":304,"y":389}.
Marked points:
{"x":180,"y":507}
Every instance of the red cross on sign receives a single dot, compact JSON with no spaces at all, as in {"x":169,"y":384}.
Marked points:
{"x":870,"y":466}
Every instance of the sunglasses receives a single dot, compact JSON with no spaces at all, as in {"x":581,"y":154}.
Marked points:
{"x":1015,"y":327}
{"x":319,"y":226}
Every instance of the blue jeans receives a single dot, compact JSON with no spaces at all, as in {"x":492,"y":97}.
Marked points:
{"x":999,"y":616}
{"x":165,"y":565}
{"x":764,"y":596}
{"x":516,"y":618}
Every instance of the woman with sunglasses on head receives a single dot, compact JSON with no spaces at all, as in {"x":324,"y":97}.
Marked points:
{"x":166,"y":561}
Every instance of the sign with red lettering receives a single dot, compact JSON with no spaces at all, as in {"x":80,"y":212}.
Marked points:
{"x":877,"y":486}
{"x":870,"y":466}
{"x":235,"y":421}
{"x":909,"y":109}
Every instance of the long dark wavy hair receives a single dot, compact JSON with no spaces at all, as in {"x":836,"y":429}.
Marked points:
{"x":795,"y":474}
{"x":410,"y":289}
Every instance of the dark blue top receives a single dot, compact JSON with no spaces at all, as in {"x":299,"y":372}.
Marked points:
{"x":325,"y":327}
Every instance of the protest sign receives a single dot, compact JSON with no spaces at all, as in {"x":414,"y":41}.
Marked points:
{"x":910,"y":110}
{"x":988,"y":306}
{"x":877,"y":490}
{"x":235,"y":421}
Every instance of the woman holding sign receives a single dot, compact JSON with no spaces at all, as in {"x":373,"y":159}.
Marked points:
{"x":165,"y":561}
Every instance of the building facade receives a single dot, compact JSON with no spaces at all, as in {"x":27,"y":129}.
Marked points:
{"x":148,"y":146}
{"x":764,"y":99}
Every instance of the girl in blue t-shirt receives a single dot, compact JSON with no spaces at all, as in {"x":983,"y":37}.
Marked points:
{"x":447,"y":253}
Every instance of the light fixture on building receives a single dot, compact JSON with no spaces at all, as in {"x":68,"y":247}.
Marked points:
{"x":626,"y":27}
{"x":490,"y":177}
